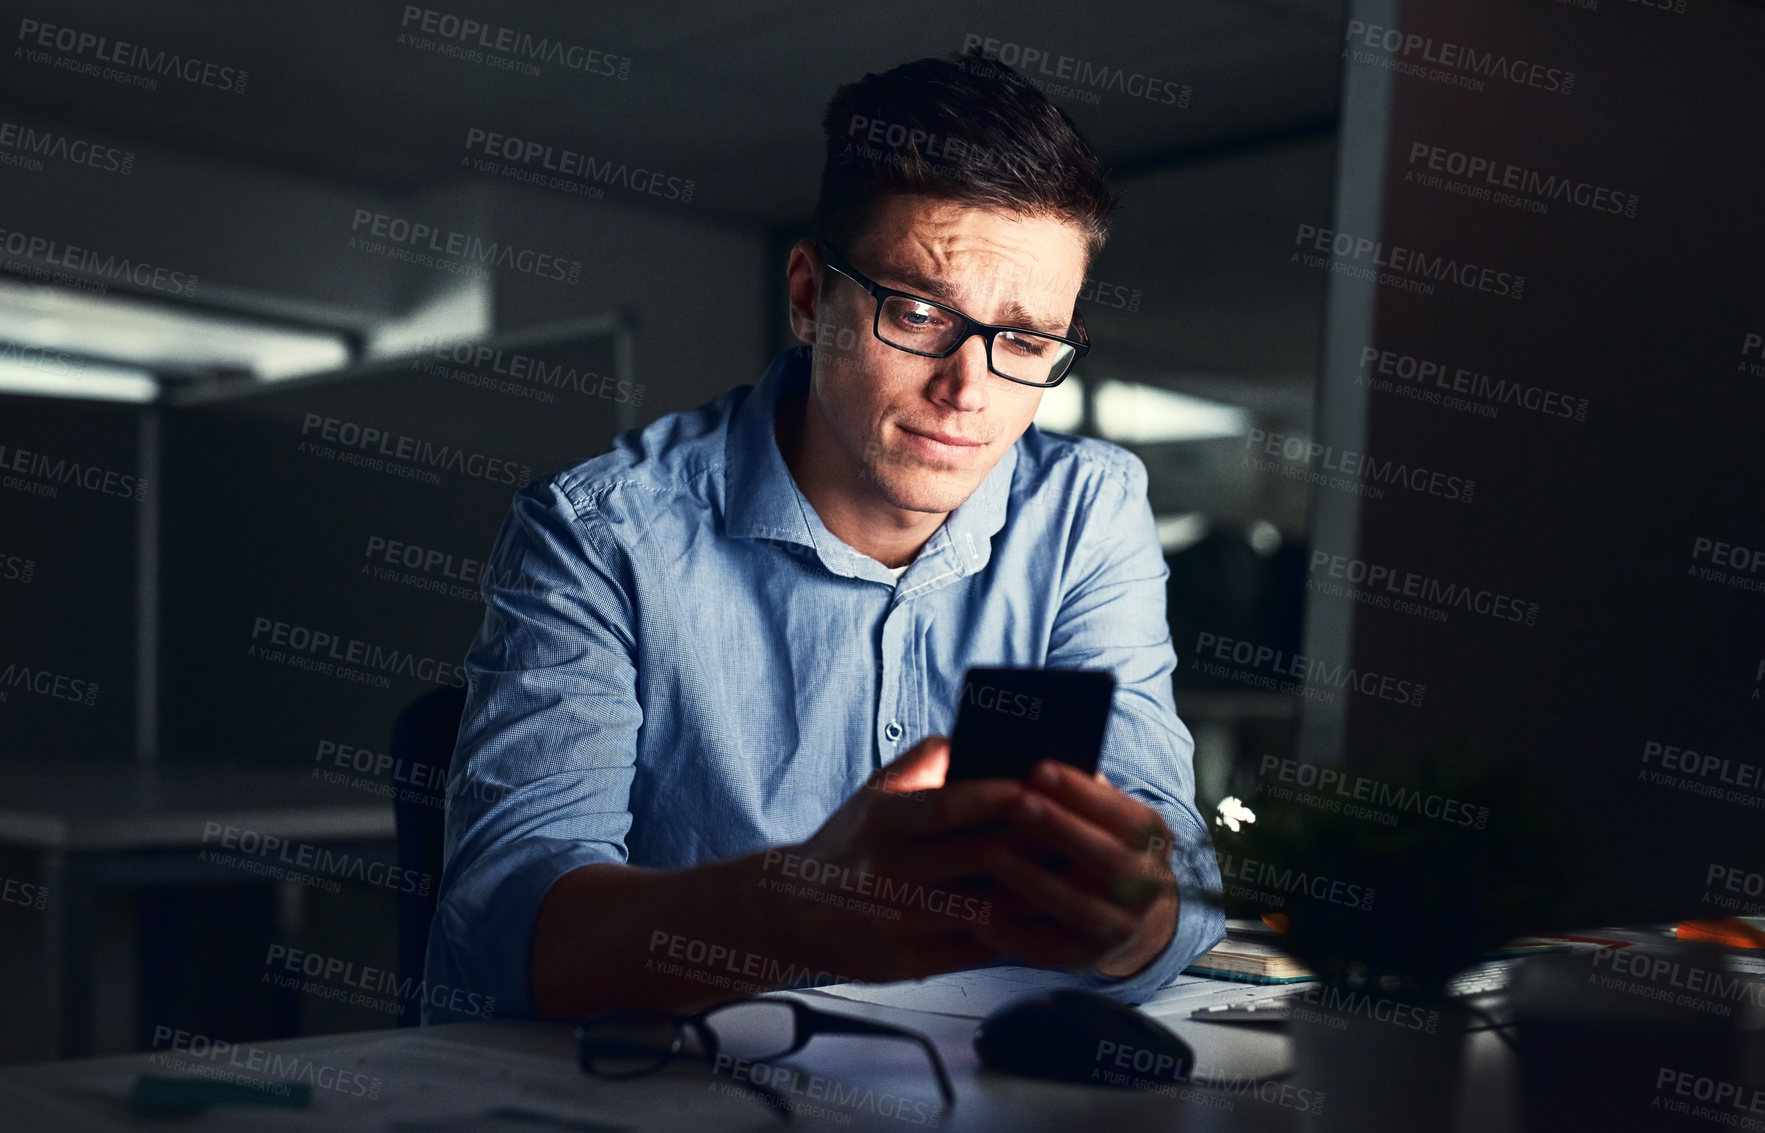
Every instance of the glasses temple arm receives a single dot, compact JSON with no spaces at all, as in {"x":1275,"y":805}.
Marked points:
{"x":846,"y":1025}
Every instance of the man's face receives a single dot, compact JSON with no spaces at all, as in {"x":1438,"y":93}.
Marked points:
{"x":924,"y":432}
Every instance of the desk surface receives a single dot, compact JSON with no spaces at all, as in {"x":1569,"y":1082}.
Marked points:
{"x":83,"y":805}
{"x":457,"y":1076}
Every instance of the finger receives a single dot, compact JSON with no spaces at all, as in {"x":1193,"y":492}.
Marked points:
{"x":1044,"y":943}
{"x":956,"y":807}
{"x":1097,"y":800}
{"x":892,"y":958}
{"x":1088,"y":914}
{"x":941,"y":858}
{"x":1049,"y":826}
{"x":952,"y":952}
{"x":921,"y":767}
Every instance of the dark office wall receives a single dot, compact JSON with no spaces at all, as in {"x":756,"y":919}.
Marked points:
{"x":354,"y":511}
{"x":71,"y":500}
{"x":1607,"y":411}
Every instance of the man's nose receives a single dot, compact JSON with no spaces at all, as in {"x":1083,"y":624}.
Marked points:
{"x":962,"y":377}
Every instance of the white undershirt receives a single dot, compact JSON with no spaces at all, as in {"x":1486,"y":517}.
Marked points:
{"x":898,"y":571}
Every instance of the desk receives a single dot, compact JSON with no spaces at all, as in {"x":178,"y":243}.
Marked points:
{"x":108,"y":824}
{"x":450,"y":1077}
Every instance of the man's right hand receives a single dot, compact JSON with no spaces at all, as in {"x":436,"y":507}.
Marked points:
{"x":895,"y":885}
{"x":891,"y":887}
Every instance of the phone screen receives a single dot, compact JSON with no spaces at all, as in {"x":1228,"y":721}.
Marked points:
{"x":1008,"y":719}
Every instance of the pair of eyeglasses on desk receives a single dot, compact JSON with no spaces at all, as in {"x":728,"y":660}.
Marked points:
{"x":632,"y":1043}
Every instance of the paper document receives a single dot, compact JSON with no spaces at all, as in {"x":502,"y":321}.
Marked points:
{"x":974,"y":994}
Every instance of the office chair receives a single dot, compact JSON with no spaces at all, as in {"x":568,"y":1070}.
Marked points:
{"x":422,"y":751}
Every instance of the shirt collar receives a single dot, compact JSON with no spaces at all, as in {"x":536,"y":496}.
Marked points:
{"x":762,"y":500}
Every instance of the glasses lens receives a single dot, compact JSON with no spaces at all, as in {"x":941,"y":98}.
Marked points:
{"x":913,"y":325}
{"x":1030,"y":357}
{"x":757,"y":1030}
{"x":621,"y":1043}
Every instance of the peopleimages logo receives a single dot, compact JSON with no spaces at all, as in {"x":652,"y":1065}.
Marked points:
{"x":1711,"y":776}
{"x":1299,"y":667}
{"x":64,"y":471}
{"x":574,"y":170}
{"x":315,"y":644}
{"x":826,"y":882}
{"x":1734,"y":888}
{"x":1038,"y":66}
{"x":1667,"y":7}
{"x":1752,"y":353}
{"x":359,"y":440}
{"x":33,"y":144}
{"x":1287,"y":881}
{"x":800,"y":1092}
{"x":1394,"y":265}
{"x":1729,"y":564}
{"x":50,"y":361}
{"x":141,"y":273}
{"x":181,"y":1046}
{"x":1666,"y":979}
{"x":1724,"y":1103}
{"x":519,"y":46}
{"x":40,"y":39}
{"x":720,"y":965}
{"x":1392,"y":371}
{"x":483,"y":365}
{"x":413,"y":240}
{"x":907,"y":146}
{"x":1504,"y":183}
{"x":42,"y":682}
{"x":1006,"y":703}
{"x":1454,"y":64}
{"x":1731,"y":555}
{"x":13,"y":892}
{"x":363,"y":985}
{"x":1335,"y":1007}
{"x":1162,"y":1073}
{"x":16,"y":568}
{"x":1365,"y":789}
{"x":276,"y":853}
{"x":430,"y":560}
{"x":1361,"y":472}
{"x":1400,"y":585}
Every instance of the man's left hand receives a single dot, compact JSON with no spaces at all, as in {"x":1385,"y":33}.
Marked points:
{"x":1115,"y":909}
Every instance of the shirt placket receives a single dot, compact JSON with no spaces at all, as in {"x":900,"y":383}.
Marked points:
{"x":896,"y":712}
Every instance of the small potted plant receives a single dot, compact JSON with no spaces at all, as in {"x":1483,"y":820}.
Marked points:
{"x":1389,"y":877}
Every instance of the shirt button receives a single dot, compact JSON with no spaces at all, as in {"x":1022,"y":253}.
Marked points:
{"x":893,"y":731}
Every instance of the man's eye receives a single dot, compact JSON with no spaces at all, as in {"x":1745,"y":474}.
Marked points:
{"x":922,"y":317}
{"x":1031,"y":346}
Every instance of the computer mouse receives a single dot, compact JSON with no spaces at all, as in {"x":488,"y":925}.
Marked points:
{"x":1081,"y":1036}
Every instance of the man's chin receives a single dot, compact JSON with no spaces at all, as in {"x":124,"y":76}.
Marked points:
{"x":926,"y":491}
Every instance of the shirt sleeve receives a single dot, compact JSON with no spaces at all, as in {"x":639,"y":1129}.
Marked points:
{"x":1113,"y":617}
{"x":542,"y":769}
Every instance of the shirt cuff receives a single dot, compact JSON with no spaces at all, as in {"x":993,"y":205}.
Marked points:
{"x":1201,"y":923}
{"x":481,"y":939}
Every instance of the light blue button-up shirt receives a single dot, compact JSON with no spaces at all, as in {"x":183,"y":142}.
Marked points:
{"x":679,"y":664}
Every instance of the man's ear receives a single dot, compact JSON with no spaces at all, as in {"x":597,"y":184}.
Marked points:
{"x":803,"y":287}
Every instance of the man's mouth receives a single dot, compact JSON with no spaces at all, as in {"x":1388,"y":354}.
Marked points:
{"x":940,"y":447}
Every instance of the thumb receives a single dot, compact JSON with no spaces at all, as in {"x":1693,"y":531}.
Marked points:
{"x":921,"y":767}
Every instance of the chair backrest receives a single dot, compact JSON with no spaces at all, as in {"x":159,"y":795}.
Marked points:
{"x":422,"y":753}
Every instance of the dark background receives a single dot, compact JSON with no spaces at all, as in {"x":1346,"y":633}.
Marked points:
{"x":255,"y":194}
{"x":1197,"y":296}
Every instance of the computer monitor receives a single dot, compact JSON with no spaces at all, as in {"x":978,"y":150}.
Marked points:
{"x":1537,"y":463}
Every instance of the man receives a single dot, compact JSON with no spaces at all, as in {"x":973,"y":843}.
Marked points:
{"x":716,"y":664}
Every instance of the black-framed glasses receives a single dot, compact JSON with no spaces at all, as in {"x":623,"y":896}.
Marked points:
{"x":936,"y":330}
{"x":632,"y":1043}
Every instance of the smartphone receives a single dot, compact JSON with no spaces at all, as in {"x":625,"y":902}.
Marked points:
{"x":1008,"y":719}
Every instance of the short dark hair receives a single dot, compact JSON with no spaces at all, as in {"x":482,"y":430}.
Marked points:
{"x":960,"y":128}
